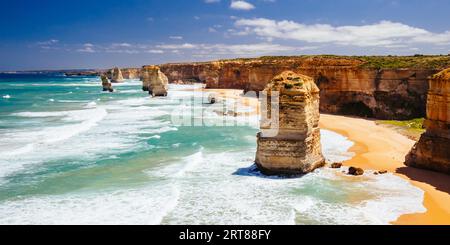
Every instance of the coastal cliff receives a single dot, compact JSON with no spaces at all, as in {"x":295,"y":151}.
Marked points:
{"x":433,"y":149}
{"x":126,"y":73}
{"x":349,"y":85}
{"x":131,"y":73}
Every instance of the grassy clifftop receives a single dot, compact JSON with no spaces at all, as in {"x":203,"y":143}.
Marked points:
{"x":395,"y":62}
{"x":413,"y":129}
{"x":438,"y":62}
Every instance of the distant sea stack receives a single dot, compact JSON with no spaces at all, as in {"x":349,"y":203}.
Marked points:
{"x":117,"y":76}
{"x":106,"y":84}
{"x":154,"y":81}
{"x":297,"y":148}
{"x":433,"y":149}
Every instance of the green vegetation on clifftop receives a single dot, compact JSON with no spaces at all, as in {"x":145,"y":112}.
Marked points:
{"x":438,"y":62}
{"x":397,"y":62}
{"x":411,"y":128}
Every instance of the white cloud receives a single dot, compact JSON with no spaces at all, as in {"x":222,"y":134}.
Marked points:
{"x":87,"y":48}
{"x":47,"y":45}
{"x":176,"y":37}
{"x":123,"y":51}
{"x":48,"y":42}
{"x":384,"y":33}
{"x":233,"y":49}
{"x":212,"y":1}
{"x":121,"y":45}
{"x":211,"y":50}
{"x":155,"y":51}
{"x":241,"y":5}
{"x":248,"y":49}
{"x":177,"y":46}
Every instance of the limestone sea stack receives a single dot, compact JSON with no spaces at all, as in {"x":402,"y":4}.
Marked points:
{"x":106,"y":84}
{"x":433,"y":149}
{"x":154,"y":81}
{"x":296,"y":149}
{"x":117,"y":76}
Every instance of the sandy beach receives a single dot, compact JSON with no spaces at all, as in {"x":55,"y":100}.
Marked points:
{"x":382,"y":148}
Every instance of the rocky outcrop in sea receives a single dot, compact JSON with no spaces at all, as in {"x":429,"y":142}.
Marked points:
{"x":106,"y":84}
{"x":295,"y":148}
{"x":154,"y":81}
{"x":117,"y":76}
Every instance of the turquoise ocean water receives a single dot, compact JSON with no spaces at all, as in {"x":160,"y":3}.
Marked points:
{"x":71,"y":154}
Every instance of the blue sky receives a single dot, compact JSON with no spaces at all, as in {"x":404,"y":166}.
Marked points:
{"x":50,"y":34}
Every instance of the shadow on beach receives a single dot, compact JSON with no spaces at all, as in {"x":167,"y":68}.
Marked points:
{"x":438,"y":180}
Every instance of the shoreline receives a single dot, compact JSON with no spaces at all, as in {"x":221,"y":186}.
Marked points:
{"x":383,"y":148}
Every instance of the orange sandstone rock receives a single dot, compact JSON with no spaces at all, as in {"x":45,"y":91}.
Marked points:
{"x":295,"y":146}
{"x":346,"y":87}
{"x":433,"y":149}
{"x":154,"y":81}
{"x":117,"y":76}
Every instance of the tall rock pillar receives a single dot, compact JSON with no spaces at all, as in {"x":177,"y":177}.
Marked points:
{"x":154,"y":81}
{"x":117,"y":76}
{"x":433,"y":149}
{"x":106,"y":84}
{"x":296,"y":149}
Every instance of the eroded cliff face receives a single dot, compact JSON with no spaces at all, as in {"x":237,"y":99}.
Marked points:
{"x":289,"y":141}
{"x":433,"y":149}
{"x":131,"y":73}
{"x":127,"y":73}
{"x":154,"y":81}
{"x":346,"y":87}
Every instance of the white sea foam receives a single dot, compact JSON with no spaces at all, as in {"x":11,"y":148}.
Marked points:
{"x":92,"y":104}
{"x":119,"y":132}
{"x":151,"y":203}
{"x":72,"y":101}
{"x":131,"y":91}
{"x":203,"y":188}
{"x":190,"y":163}
{"x":6,"y":96}
{"x":213,"y":191}
{"x":247,"y":197}
{"x":86,"y":83}
{"x":49,"y":135}
{"x":335,"y":146}
{"x":73,"y":115}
